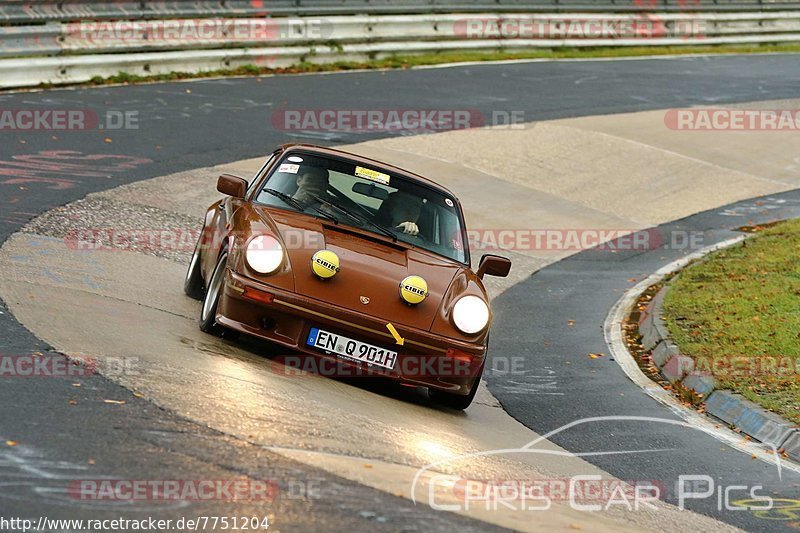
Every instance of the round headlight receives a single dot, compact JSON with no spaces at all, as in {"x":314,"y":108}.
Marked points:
{"x":264,"y":254}
{"x":470,"y":314}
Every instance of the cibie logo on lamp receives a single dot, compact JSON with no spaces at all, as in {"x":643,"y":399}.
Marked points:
{"x":413,"y":290}
{"x":325,"y":264}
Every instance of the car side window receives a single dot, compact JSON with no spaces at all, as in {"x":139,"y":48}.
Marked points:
{"x":260,"y":174}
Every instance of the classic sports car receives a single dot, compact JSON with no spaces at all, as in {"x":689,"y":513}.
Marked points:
{"x":348,"y":260}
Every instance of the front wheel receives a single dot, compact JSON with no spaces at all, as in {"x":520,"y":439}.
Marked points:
{"x":208,"y":313}
{"x":456,"y":401}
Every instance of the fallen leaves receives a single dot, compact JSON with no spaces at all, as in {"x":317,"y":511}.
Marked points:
{"x":115,"y":402}
{"x":11,"y":443}
{"x":596,"y":355}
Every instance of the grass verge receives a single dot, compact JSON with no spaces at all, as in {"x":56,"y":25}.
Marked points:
{"x":737,"y":313}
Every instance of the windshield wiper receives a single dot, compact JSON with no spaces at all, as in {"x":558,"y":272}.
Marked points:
{"x":298,"y":205}
{"x":286,"y":198}
{"x":366,"y":218}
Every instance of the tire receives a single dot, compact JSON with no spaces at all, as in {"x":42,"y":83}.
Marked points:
{"x":456,"y":401}
{"x":208,"y":311}
{"x":193,"y":284}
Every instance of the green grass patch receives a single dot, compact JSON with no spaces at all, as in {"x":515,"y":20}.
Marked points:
{"x":737,"y":313}
{"x":439,"y":58}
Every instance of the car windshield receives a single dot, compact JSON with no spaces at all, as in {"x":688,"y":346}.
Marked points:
{"x":367,"y":197}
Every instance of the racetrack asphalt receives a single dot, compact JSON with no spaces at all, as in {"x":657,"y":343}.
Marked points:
{"x":193,"y":124}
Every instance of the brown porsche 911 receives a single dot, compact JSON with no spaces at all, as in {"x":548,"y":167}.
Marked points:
{"x":351,"y":261}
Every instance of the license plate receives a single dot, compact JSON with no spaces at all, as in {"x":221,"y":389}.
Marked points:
{"x":351,"y":348}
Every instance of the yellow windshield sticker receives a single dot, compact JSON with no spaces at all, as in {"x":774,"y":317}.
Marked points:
{"x":373,"y":175}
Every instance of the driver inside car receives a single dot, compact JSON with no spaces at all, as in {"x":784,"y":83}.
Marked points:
{"x":401,"y":211}
{"x":312,"y":183}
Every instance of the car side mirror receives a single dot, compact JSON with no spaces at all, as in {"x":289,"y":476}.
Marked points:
{"x":232,"y":185}
{"x":494,"y":265}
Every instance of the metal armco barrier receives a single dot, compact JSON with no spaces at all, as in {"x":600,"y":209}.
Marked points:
{"x":29,"y":11}
{"x":534,"y":29}
{"x":68,"y":51}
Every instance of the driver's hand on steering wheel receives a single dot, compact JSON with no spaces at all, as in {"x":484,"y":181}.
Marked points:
{"x":409,"y":228}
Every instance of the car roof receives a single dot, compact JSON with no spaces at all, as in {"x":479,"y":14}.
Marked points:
{"x":321,"y":150}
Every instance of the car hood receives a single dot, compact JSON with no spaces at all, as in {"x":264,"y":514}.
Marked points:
{"x":371,"y":268}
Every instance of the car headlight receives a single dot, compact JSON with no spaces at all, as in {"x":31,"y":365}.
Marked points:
{"x":264,"y":254}
{"x":470,"y":314}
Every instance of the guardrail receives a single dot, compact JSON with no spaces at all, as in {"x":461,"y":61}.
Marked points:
{"x":27,"y":11}
{"x":76,"y":51}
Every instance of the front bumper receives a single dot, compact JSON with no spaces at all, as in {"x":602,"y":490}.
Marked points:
{"x":285,"y":318}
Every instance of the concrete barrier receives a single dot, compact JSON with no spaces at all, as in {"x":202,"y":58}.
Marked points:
{"x":791,"y":446}
{"x":752,"y":419}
